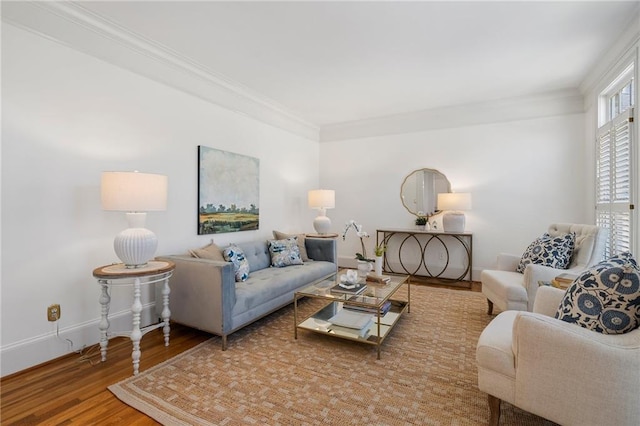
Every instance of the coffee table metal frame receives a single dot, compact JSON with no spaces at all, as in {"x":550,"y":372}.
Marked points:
{"x":373,"y":298}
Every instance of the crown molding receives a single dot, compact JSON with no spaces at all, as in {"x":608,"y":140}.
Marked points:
{"x":521,"y":108}
{"x":76,"y":27}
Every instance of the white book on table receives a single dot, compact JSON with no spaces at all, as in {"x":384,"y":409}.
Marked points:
{"x":351,"y":319}
{"x":346,"y":331}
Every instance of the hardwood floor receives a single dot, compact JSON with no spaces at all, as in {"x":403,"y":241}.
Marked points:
{"x":446,"y":283}
{"x":70,"y":390}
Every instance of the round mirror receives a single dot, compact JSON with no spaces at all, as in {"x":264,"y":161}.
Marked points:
{"x":420,"y":189}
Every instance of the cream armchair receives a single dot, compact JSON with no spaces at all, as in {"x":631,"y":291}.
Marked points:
{"x":557,"y":370}
{"x":511,"y":290}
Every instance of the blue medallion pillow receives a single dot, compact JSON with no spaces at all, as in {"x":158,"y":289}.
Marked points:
{"x":285,"y":252}
{"x":235,"y":255}
{"x":550,"y":251}
{"x":606,"y":297}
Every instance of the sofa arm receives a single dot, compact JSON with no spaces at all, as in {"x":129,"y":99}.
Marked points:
{"x":507,"y":262}
{"x":322,"y":249}
{"x":565,"y":372}
{"x":203,"y":293}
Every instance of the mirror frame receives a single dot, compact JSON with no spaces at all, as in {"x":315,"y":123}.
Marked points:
{"x":402,"y":198}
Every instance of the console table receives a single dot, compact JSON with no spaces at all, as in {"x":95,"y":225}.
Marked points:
{"x":119,"y":275}
{"x":427,"y":253}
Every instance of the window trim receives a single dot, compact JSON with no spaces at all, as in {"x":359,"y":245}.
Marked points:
{"x":627,"y":74}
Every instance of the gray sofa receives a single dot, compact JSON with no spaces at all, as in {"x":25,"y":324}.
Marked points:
{"x":205,"y":295}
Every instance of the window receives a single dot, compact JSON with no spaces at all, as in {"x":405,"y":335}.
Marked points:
{"x":622,"y":100}
{"x":614,"y":164}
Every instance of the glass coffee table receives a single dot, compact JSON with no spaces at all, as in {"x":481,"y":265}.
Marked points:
{"x":376,"y":301}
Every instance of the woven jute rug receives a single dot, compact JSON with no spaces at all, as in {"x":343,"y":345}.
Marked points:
{"x":427,"y":374}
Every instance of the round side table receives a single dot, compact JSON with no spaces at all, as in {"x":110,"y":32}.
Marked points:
{"x":118,"y":275}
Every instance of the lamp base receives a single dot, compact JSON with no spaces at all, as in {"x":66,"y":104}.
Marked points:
{"x":135,"y":246}
{"x":453,"y":222}
{"x":322,"y":224}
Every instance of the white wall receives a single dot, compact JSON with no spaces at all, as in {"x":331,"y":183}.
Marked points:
{"x":523,"y":175}
{"x":66,"y":118}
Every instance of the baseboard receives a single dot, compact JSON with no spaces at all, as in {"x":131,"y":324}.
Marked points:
{"x":40,"y":349}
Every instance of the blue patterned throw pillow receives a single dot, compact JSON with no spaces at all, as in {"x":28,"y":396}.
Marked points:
{"x":285,"y":252}
{"x":605,"y":298}
{"x":550,"y":251}
{"x":235,"y":255}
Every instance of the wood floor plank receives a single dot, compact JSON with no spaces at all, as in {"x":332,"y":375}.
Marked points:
{"x":71,"y":391}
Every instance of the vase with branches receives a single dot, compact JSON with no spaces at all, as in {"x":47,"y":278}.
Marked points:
{"x":379,"y":251}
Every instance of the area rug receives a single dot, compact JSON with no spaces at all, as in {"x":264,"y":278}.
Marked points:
{"x":427,"y":374}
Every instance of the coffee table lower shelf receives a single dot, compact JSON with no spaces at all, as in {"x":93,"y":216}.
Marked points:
{"x":376,"y":334}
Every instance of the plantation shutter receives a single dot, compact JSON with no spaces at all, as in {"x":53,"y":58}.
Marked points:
{"x":614,"y":184}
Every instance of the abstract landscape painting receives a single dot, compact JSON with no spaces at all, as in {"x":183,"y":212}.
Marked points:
{"x":228,"y":191}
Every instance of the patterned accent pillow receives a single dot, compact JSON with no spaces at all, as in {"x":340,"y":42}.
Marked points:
{"x":606,"y":297}
{"x":301,"y":243}
{"x":550,"y":251}
{"x":285,"y":252}
{"x":235,"y":255}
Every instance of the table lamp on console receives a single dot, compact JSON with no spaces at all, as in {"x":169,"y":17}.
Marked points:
{"x":453,"y":219}
{"x":322,"y":199}
{"x":135,"y":193}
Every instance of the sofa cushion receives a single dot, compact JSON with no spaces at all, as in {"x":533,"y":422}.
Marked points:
{"x":266,"y":285}
{"x":301,"y":243}
{"x":606,"y":297}
{"x":285,"y":252}
{"x":235,"y":255}
{"x":546,"y":250}
{"x":210,"y":251}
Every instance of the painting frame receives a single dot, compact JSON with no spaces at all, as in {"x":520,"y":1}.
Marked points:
{"x":228,"y":192}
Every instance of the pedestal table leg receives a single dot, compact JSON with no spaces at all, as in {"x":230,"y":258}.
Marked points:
{"x":105,"y":300}
{"x":166,"y":313}
{"x":136,"y":334}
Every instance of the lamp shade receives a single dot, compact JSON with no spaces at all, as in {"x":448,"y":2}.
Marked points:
{"x":133,"y":191}
{"x":454,"y":201}
{"x":322,"y":199}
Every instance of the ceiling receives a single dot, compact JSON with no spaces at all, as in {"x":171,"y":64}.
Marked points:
{"x":335,"y":62}
{"x":330,"y":70}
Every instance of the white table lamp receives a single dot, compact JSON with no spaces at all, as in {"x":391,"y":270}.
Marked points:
{"x":135,"y":193}
{"x":322,"y":199}
{"x":451,"y":203}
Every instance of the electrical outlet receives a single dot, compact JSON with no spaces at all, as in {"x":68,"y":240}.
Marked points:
{"x":53,"y":312}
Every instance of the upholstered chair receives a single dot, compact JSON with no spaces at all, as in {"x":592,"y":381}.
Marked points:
{"x":559,"y":370}
{"x":511,"y":290}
